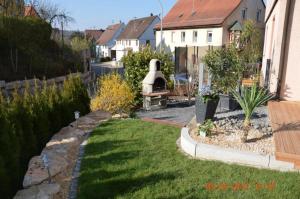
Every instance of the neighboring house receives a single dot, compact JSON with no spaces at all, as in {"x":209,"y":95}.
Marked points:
{"x":94,"y":34}
{"x":281,"y":69}
{"x":108,"y":40}
{"x":138,"y":33}
{"x":30,"y":11}
{"x":193,"y":26}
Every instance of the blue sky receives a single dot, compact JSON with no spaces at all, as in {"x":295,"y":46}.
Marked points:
{"x":101,"y":13}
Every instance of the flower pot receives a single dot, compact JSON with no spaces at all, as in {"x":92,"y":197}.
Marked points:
{"x":227,"y":103}
{"x":202,"y":133}
{"x":206,"y":110}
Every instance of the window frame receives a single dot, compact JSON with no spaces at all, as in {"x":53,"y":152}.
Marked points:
{"x":183,"y":35}
{"x":195,"y":36}
{"x":209,"y":39}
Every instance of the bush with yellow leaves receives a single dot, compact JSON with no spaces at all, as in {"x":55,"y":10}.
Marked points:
{"x":114,"y":95}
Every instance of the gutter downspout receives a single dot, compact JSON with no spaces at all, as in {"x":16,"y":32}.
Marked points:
{"x":283,"y":53}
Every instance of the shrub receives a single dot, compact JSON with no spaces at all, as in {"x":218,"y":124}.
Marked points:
{"x":249,"y":100}
{"x":137,"y":66}
{"x":225,"y":67}
{"x":27,"y":122}
{"x":114,"y":95}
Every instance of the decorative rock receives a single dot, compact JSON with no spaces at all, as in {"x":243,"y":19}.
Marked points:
{"x":270,"y":129}
{"x":43,"y":191}
{"x":37,"y":173}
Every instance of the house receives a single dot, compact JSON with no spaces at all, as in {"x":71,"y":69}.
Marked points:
{"x":94,"y":34}
{"x":108,"y":40}
{"x":193,"y":26}
{"x":138,"y":33}
{"x":281,"y":70}
{"x":30,"y":11}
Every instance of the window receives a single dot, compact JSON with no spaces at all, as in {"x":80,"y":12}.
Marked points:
{"x":258,"y":15}
{"x":129,"y":42}
{"x":172,"y":37}
{"x":137,"y":42}
{"x":148,"y":43}
{"x":244,"y":14}
{"x":209,"y":36}
{"x":195,"y":36}
{"x":182,"y":36}
{"x":123,"y":42}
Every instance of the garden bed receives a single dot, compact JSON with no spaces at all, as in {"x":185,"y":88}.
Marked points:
{"x":227,"y":132}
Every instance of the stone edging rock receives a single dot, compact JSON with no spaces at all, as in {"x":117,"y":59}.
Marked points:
{"x":62,"y":152}
{"x":210,"y":152}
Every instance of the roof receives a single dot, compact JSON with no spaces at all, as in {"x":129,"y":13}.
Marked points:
{"x":109,"y":33}
{"x":198,"y":13}
{"x":30,"y":11}
{"x":236,"y":26}
{"x":95,"y":34}
{"x":136,"y":27}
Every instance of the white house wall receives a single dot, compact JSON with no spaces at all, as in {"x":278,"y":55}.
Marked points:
{"x":135,"y":45}
{"x":170,"y":45}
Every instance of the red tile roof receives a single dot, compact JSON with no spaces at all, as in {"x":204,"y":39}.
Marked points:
{"x":30,"y":11}
{"x":109,"y":33}
{"x":198,"y":13}
{"x":95,"y":34}
{"x":135,"y":28}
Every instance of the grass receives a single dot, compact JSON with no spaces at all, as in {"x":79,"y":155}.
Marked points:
{"x":136,"y":159}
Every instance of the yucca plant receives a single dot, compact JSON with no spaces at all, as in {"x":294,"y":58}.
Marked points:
{"x":249,"y":100}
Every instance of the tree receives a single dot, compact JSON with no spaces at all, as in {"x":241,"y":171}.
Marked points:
{"x":81,"y":45}
{"x":12,"y":7}
{"x":225,"y":67}
{"x":251,"y":44}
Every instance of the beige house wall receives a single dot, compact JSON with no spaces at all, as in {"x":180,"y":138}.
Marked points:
{"x":290,"y":87}
{"x":282,"y":44}
{"x":252,"y":7}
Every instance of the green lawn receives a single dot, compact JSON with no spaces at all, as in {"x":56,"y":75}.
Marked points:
{"x":136,"y":159}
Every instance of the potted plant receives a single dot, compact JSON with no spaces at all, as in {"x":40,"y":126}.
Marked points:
{"x":206,"y":128}
{"x":206,"y":104}
{"x":226,"y":71}
{"x":249,"y":100}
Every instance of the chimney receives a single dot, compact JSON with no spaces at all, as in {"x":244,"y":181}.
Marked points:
{"x":151,"y":14}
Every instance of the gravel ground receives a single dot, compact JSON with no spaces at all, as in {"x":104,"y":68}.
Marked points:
{"x":260,"y":117}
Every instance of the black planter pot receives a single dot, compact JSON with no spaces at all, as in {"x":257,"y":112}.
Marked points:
{"x":207,"y":110}
{"x":227,"y":103}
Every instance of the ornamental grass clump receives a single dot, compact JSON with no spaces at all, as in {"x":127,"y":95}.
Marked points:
{"x":114,"y":95}
{"x":249,"y":100}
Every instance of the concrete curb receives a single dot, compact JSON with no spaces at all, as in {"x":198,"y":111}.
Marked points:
{"x":232,"y":156}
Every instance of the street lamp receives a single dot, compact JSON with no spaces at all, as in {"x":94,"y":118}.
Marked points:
{"x":161,"y":24}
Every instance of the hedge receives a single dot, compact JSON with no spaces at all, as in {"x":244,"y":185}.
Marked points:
{"x":28,"y":120}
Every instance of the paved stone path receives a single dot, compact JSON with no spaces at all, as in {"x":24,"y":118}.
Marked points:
{"x":180,"y":113}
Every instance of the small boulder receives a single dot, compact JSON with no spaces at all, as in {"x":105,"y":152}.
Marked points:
{"x":43,"y":191}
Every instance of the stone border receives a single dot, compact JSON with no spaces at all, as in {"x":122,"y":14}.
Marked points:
{"x":232,"y":156}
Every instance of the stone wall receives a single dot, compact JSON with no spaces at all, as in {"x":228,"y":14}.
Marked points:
{"x":62,"y":153}
{"x":8,"y":87}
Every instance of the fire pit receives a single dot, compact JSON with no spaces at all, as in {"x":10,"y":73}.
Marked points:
{"x":155,"y":88}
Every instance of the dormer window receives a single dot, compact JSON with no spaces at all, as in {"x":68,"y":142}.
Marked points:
{"x":244,"y":14}
{"x":258,"y":15}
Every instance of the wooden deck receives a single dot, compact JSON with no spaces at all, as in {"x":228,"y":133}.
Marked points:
{"x":285,"y":121}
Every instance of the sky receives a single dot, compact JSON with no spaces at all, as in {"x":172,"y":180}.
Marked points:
{"x":96,"y":14}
